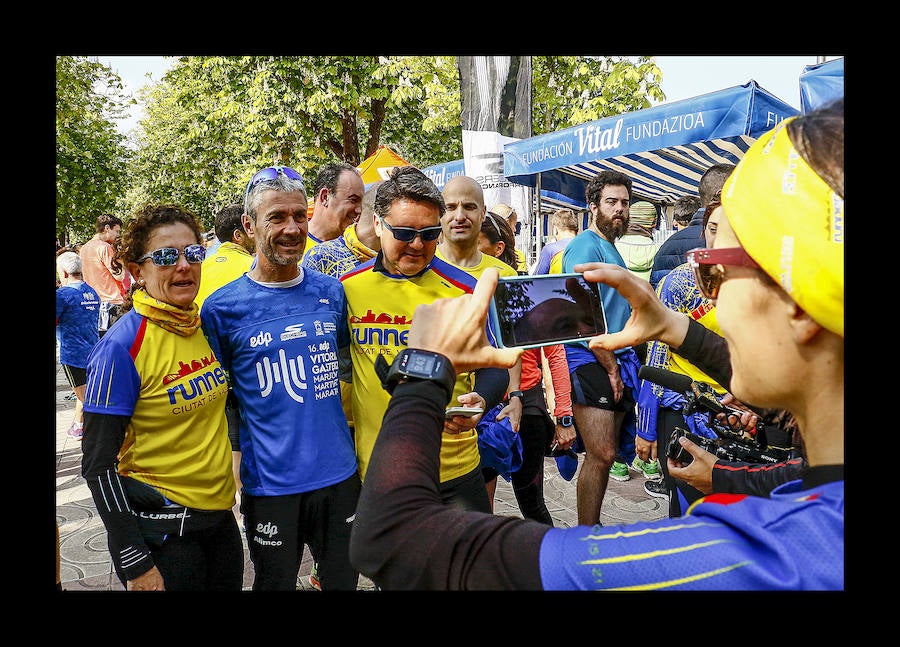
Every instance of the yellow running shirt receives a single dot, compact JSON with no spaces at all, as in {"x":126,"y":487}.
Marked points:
{"x":380,"y":307}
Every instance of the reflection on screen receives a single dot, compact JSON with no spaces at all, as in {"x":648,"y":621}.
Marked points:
{"x":548,"y":309}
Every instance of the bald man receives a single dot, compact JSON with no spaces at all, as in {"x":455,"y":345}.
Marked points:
{"x":461,"y":224}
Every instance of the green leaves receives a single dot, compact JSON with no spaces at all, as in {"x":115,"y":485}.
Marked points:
{"x":212,"y":121}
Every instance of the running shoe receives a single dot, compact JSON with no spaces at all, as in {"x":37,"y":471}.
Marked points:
{"x":619,"y":471}
{"x":314,"y":577}
{"x":75,"y":431}
{"x":650,"y":470}
{"x":656,"y":489}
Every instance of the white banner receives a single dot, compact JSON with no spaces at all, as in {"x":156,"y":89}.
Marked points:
{"x":483,"y":159}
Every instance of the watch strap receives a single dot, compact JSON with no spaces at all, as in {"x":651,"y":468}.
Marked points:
{"x":393,"y":375}
{"x":517,"y":394}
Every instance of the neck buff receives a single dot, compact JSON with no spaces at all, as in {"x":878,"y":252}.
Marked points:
{"x":168,"y":317}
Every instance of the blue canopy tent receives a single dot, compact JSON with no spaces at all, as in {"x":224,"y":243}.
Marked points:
{"x":664,"y":149}
{"x":821,"y":83}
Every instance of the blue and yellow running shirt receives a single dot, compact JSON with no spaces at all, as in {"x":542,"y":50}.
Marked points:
{"x":679,"y":292}
{"x":591,"y":247}
{"x":173,"y":390}
{"x":279,"y":344}
{"x":383,"y":329}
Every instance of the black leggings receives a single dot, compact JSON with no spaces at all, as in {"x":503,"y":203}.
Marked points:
{"x":536,"y":430}
{"x":528,"y":480}
{"x":466,"y":492}
{"x":279,"y":526}
{"x":211,"y":559}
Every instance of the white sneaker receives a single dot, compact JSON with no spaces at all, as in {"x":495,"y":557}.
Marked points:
{"x":75,"y":431}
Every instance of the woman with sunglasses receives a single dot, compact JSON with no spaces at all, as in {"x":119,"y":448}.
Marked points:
{"x":157,"y":458}
{"x":776,"y":269}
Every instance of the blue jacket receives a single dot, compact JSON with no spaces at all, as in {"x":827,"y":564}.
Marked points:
{"x":671,"y":254}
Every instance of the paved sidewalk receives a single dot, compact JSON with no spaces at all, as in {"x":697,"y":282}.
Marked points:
{"x":84,"y":557}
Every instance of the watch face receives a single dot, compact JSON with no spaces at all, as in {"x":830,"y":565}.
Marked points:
{"x":421,"y":364}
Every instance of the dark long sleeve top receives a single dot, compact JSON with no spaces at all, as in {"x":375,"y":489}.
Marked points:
{"x":405,"y":538}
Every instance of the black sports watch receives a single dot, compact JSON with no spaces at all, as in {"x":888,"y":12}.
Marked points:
{"x":517,"y":394}
{"x":416,"y":364}
{"x":566,"y":421}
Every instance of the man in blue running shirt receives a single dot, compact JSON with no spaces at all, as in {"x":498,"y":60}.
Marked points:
{"x":277,"y":331}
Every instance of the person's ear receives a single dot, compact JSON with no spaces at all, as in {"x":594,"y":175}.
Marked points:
{"x":135,"y":270}
{"x":803,"y":326}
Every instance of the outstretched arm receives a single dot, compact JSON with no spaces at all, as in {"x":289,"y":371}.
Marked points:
{"x":404,"y":537}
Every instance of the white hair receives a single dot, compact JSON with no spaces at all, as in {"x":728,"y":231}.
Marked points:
{"x":69,"y":262}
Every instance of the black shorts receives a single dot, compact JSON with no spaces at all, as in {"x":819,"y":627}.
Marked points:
{"x":591,"y":388}
{"x":76,"y":376}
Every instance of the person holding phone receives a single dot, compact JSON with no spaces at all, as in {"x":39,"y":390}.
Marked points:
{"x":782,"y":315}
{"x":463,"y":224}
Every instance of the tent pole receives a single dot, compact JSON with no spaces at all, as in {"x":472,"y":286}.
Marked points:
{"x":539,"y":221}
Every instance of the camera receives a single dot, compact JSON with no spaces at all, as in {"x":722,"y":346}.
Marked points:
{"x":763,"y":444}
{"x":730,"y":447}
{"x":679,"y":454}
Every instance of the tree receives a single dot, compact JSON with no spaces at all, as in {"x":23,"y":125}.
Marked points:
{"x":91,"y":155}
{"x":212,"y":121}
{"x":572,"y":90}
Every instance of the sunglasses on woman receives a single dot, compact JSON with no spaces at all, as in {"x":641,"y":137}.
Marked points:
{"x":703,"y":262}
{"x":408,"y":234}
{"x":168,"y":256}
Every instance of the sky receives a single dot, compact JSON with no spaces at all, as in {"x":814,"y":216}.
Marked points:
{"x":683,"y":76}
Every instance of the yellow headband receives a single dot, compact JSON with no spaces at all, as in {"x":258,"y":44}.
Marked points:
{"x":791,"y":223}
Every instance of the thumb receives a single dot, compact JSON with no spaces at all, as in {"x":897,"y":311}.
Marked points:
{"x":611,"y":341}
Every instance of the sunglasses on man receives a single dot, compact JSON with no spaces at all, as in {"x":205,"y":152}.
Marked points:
{"x":408,"y":234}
{"x":272,"y":173}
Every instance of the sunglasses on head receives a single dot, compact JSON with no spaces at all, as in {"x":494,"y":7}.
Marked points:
{"x":703,"y":262}
{"x":168,"y":256}
{"x":271,"y":173}
{"x":408,"y":234}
